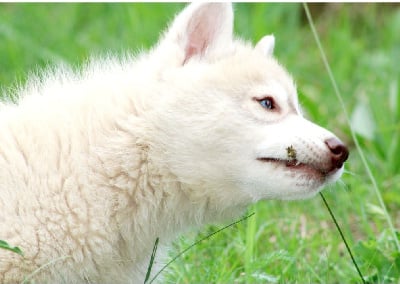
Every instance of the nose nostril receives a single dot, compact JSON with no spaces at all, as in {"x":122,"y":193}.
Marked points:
{"x":339,"y":151}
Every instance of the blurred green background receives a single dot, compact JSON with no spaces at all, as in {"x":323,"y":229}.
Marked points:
{"x":285,"y":242}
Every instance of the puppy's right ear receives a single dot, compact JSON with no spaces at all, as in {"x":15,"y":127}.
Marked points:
{"x":201,"y":27}
{"x":266,"y":45}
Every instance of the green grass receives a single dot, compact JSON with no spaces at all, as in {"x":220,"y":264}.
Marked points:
{"x":284,"y":242}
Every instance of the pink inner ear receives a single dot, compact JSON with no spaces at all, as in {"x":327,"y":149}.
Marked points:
{"x":201,"y":31}
{"x":193,"y":49}
{"x":190,"y":51}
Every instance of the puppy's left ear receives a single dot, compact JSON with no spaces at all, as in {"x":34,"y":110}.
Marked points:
{"x":201,"y":27}
{"x":266,"y":45}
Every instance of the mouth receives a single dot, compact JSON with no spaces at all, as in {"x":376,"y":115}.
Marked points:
{"x":308,"y":170}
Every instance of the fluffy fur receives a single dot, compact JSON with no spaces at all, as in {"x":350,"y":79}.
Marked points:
{"x":95,"y":165}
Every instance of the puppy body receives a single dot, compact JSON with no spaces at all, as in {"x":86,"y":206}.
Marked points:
{"x":95,"y":165}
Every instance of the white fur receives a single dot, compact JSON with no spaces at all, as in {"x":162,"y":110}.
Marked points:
{"x":266,"y":45}
{"x":94,"y":166}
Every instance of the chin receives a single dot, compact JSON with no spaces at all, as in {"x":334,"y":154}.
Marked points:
{"x":309,"y":185}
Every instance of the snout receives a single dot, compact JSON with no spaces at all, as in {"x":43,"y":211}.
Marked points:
{"x":338,"y":151}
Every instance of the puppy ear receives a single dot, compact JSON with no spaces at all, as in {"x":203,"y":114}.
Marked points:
{"x":201,"y":27}
{"x":266,"y":45}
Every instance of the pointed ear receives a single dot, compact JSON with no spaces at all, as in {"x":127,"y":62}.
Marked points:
{"x":266,"y":45}
{"x":201,"y":27}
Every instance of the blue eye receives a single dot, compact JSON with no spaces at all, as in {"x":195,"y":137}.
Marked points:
{"x":267,"y":103}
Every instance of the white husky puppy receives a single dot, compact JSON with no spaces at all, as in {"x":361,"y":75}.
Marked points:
{"x":95,"y":166}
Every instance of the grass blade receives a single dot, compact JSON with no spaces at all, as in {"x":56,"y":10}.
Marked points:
{"x":343,"y":238}
{"x":196,"y":243}
{"x":5,"y":245}
{"x":353,"y":135}
{"x":27,"y":278}
{"x":153,"y":255}
{"x":250,"y":247}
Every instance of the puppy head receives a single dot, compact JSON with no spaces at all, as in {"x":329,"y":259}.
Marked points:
{"x":228,"y":119}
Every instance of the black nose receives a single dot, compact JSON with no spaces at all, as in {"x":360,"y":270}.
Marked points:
{"x":339,"y":152}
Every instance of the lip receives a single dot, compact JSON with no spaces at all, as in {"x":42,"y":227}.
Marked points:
{"x":294,"y":165}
